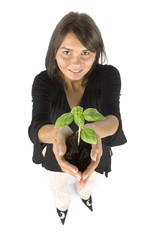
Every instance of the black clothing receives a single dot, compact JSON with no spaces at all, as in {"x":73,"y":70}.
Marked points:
{"x":50,"y":102}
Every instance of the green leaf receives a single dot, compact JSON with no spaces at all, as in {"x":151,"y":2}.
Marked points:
{"x":77,"y":110}
{"x":79,"y":120}
{"x":88,"y":135}
{"x":92,"y":115}
{"x":64,"y":120}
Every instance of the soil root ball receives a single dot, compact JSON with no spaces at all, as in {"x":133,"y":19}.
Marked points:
{"x":78,"y":155}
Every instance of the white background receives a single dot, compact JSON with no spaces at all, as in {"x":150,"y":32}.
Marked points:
{"x":122,"y":203}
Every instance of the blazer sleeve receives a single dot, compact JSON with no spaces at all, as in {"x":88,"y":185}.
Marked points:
{"x":40,"y":114}
{"x":111,"y":88}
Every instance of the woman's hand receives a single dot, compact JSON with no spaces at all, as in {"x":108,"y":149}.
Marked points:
{"x":95,"y":154}
{"x":59,"y":149}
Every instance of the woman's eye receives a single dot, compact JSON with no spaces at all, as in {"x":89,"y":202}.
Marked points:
{"x":85,"y":53}
{"x":66,"y":53}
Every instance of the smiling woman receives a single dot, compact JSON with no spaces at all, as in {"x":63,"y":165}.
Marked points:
{"x":73,"y":60}
{"x":85,"y":32}
{"x":74,"y":77}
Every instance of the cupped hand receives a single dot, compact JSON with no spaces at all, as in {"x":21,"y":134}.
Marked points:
{"x":59,"y":149}
{"x":95,"y":154}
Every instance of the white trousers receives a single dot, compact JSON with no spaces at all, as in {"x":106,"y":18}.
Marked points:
{"x":59,"y":188}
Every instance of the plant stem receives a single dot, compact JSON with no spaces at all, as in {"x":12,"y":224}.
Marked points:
{"x":79,"y":135}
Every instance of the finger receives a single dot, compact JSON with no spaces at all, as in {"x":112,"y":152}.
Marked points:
{"x":61,"y":147}
{"x":82,"y":182}
{"x":66,"y":165}
{"x":64,"y":132}
{"x":87,"y":173}
{"x":78,"y":175}
{"x":96,"y":151}
{"x":69,"y":168}
{"x":92,"y":166}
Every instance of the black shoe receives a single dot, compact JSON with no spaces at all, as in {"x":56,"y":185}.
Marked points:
{"x":62,"y":215}
{"x":88,"y":202}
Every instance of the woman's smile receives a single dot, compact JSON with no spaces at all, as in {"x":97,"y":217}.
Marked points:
{"x":75,"y":71}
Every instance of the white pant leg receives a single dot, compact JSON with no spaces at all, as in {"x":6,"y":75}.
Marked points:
{"x":59,"y":188}
{"x":86,"y":191}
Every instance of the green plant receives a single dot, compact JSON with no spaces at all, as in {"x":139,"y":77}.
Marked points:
{"x":79,"y":116}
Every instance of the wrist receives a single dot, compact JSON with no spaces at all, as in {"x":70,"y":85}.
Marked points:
{"x":64,"y":131}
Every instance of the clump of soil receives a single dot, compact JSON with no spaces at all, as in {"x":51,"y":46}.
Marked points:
{"x":78,"y":155}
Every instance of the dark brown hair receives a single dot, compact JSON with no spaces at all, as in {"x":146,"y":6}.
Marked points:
{"x":86,"y":30}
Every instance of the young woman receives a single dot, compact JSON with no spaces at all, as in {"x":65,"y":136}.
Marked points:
{"x":74,"y":77}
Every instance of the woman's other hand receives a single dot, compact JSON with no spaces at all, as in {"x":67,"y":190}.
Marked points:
{"x":59,"y":149}
{"x":95,"y":154}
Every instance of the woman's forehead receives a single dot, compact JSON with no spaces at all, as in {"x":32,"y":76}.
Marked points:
{"x":71,"y":41}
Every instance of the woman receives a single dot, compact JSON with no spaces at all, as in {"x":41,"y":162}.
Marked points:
{"x":74,"y":77}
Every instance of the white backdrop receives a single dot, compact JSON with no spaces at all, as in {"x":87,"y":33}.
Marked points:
{"x":122,"y":203}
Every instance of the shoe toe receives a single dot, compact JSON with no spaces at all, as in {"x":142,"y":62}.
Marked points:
{"x":88,"y":202}
{"x":62,"y":215}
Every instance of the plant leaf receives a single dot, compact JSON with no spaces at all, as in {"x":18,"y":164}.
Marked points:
{"x":64,"y":120}
{"x":77,"y":110}
{"x":88,"y":135}
{"x":79,"y":120}
{"x":92,"y":115}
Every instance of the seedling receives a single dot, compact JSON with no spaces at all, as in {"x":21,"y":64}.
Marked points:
{"x":79,"y":116}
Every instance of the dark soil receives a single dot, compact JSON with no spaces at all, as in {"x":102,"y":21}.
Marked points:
{"x":78,"y":155}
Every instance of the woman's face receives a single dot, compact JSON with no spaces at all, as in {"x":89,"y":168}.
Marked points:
{"x":73,"y":59}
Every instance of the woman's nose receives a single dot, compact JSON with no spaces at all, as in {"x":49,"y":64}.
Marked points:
{"x":76,"y":59}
